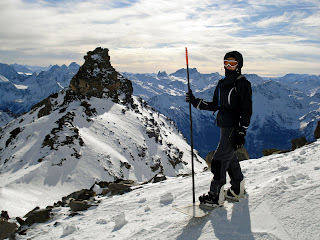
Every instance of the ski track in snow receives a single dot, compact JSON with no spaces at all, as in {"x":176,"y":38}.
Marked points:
{"x":282,"y":203}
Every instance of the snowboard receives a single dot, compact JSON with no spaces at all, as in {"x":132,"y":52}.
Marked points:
{"x":196,"y":209}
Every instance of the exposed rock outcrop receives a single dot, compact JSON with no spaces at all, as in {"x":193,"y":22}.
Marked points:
{"x":83,"y":194}
{"x":242,"y":154}
{"x":37,"y":216}
{"x":76,"y":206}
{"x":97,"y":78}
{"x":7,"y":230}
{"x":118,"y":187}
{"x":267,"y":152}
{"x":298,"y":142}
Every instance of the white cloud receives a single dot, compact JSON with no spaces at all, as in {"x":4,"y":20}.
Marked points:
{"x":269,"y":21}
{"x":150,"y":35}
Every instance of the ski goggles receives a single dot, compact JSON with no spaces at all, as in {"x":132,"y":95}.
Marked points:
{"x":231,"y":63}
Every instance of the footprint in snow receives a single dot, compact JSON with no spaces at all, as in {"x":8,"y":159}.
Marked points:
{"x":120,"y":221}
{"x":142,"y":200}
{"x":300,"y":160}
{"x":302,"y":152}
{"x":283,"y":168}
{"x":101,"y":221}
{"x":68,"y":229}
{"x":147,"y":209}
{"x":293,"y":180}
{"x":166,"y":198}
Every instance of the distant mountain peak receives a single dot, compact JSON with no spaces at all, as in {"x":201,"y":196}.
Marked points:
{"x":162,"y":74}
{"x":183,"y":71}
{"x":73,"y":64}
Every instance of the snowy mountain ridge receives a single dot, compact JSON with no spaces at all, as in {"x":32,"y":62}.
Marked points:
{"x":309,"y":84}
{"x":273,"y":100}
{"x":19,"y":94}
{"x":28,"y":69}
{"x":70,"y":140}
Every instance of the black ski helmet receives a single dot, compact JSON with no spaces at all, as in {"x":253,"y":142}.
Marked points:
{"x":237,"y":56}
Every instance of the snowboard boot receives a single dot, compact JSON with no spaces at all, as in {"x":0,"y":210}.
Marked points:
{"x":235,"y":195}
{"x":210,"y":200}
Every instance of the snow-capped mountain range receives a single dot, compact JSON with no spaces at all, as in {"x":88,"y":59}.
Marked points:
{"x":283,"y":108}
{"x":29,"y":70}
{"x":19,"y":92}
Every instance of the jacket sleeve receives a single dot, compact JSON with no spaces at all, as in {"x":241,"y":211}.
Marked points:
{"x":207,"y":105}
{"x":245,"y":92}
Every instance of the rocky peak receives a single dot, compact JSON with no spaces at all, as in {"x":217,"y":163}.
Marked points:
{"x":73,"y":65}
{"x":162,"y":74}
{"x":97,"y":78}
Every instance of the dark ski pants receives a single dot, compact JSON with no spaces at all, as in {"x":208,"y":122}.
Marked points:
{"x":223,"y":161}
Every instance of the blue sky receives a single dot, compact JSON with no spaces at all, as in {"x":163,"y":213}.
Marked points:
{"x":275,"y":37}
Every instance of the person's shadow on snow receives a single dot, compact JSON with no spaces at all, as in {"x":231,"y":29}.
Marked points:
{"x":237,"y":228}
{"x":193,"y":229}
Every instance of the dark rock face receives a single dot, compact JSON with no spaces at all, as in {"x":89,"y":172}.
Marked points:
{"x":317,"y":131}
{"x":118,"y":187}
{"x":298,"y":142}
{"x":7,"y":230}
{"x":267,"y":152}
{"x":37,"y":216}
{"x":83,"y":194}
{"x":79,"y":206}
{"x":242,"y":154}
{"x":97,"y":78}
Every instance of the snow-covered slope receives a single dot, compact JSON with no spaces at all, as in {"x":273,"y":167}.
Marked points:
{"x":5,"y":117}
{"x":9,"y":73}
{"x":69,"y":141}
{"x":282,"y":203}
{"x":9,"y":93}
{"x":68,"y":150}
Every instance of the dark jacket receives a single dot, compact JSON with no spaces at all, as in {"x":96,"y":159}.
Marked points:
{"x":233,"y":98}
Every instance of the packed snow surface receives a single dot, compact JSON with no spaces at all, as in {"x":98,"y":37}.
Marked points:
{"x":282,"y":203}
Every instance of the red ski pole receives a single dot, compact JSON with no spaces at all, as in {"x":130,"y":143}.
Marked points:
{"x":192,"y":163}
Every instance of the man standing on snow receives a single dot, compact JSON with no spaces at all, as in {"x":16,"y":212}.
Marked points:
{"x":233,"y":99}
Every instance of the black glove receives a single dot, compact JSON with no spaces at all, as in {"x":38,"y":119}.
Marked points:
{"x":239,"y":138}
{"x":191,"y":98}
